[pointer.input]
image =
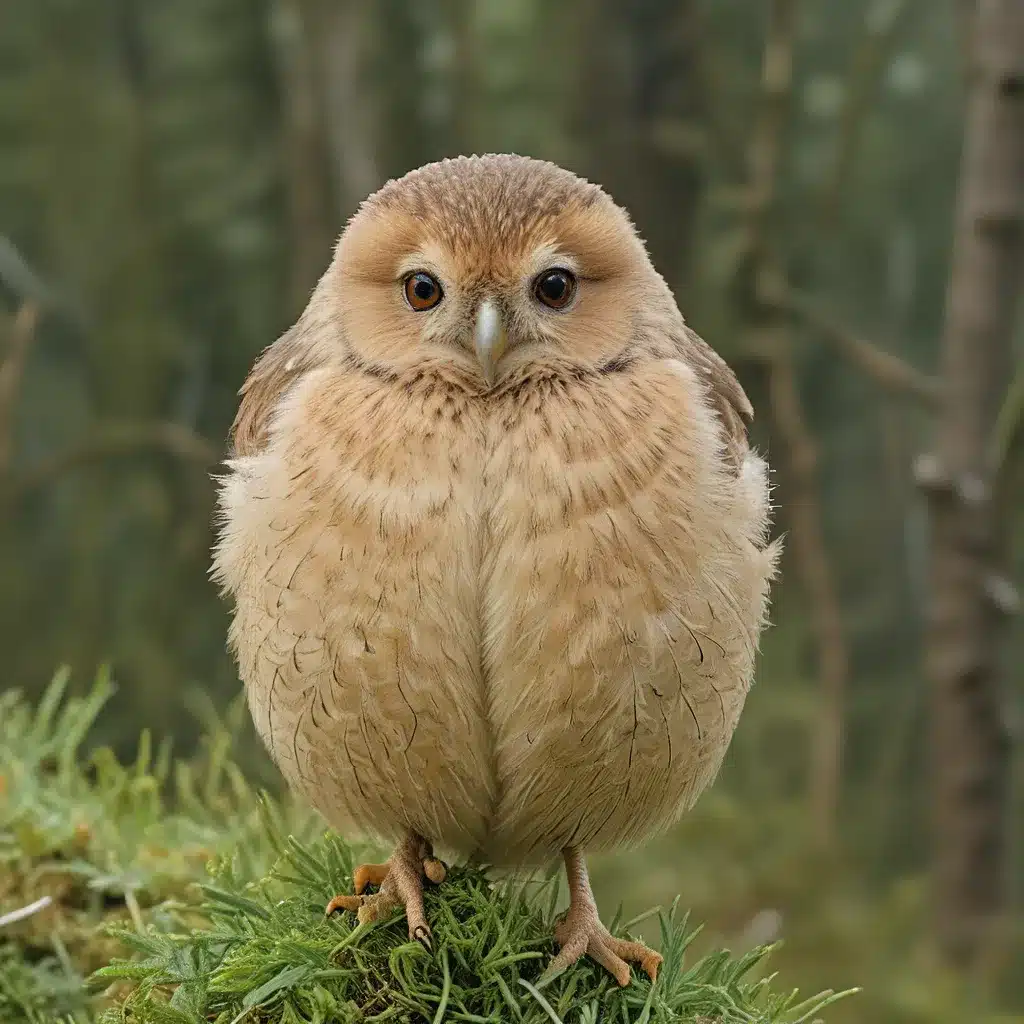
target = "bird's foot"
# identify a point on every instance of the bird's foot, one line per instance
(434, 871)
(401, 885)
(579, 932)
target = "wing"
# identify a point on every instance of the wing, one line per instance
(277, 368)
(727, 396)
(314, 341)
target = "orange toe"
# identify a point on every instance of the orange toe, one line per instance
(369, 874)
(435, 870)
(343, 902)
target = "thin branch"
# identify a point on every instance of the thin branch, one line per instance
(113, 440)
(886, 369)
(17, 275)
(14, 916)
(25, 284)
(12, 370)
(1009, 428)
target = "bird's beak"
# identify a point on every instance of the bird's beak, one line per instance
(489, 339)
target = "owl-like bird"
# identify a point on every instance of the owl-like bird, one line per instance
(495, 538)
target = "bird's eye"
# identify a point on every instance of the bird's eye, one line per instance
(555, 288)
(422, 291)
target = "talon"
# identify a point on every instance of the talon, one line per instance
(421, 933)
(369, 874)
(343, 902)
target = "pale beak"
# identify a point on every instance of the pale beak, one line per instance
(489, 338)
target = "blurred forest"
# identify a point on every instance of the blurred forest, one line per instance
(172, 179)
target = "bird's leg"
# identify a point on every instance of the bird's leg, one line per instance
(579, 931)
(401, 885)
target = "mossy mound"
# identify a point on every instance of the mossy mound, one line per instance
(265, 952)
(173, 893)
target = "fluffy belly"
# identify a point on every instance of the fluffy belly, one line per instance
(625, 585)
(508, 648)
(355, 571)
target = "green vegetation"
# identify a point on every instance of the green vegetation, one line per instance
(183, 895)
(106, 843)
(267, 946)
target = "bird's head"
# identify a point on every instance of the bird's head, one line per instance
(496, 264)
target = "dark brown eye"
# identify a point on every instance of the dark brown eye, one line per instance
(555, 288)
(422, 291)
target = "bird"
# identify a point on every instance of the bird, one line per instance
(496, 539)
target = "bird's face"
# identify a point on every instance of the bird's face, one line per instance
(494, 264)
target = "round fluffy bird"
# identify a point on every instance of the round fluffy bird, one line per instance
(495, 539)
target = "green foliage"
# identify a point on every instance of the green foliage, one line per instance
(41, 991)
(267, 946)
(194, 898)
(94, 842)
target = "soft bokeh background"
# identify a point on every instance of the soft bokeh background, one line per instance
(172, 177)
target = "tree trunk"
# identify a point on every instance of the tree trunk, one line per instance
(970, 738)
(463, 80)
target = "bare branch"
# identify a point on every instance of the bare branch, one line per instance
(14, 916)
(1009, 428)
(112, 440)
(11, 372)
(891, 372)
(17, 275)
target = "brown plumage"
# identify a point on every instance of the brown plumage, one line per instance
(499, 569)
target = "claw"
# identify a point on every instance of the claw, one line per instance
(421, 933)
(368, 874)
(343, 902)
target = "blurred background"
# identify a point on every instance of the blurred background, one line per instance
(172, 179)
